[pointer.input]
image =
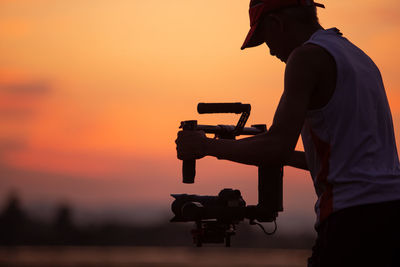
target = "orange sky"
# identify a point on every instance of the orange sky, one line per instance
(93, 92)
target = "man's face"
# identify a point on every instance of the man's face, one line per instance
(272, 31)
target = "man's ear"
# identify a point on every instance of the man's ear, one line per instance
(277, 21)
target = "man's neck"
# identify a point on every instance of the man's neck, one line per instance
(304, 32)
(301, 34)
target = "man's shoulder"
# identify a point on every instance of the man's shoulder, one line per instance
(310, 56)
(312, 66)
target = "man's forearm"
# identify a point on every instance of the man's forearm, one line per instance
(257, 150)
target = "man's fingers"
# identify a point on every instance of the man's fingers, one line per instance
(189, 144)
(190, 133)
(185, 156)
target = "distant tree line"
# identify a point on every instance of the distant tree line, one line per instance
(17, 228)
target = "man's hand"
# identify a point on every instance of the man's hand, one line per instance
(191, 145)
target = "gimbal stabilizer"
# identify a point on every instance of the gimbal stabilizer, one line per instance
(216, 216)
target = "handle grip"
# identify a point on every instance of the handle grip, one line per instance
(189, 166)
(237, 108)
(188, 171)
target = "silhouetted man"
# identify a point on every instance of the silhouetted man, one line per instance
(334, 97)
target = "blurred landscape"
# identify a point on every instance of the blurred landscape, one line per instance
(27, 241)
(21, 228)
(151, 257)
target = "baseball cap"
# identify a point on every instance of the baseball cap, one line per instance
(261, 7)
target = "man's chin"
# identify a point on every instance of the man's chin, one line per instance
(280, 58)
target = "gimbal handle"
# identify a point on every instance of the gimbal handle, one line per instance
(189, 166)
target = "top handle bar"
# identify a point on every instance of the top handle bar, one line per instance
(237, 108)
(220, 131)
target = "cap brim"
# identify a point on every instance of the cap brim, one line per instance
(252, 38)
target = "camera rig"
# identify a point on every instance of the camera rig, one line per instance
(216, 217)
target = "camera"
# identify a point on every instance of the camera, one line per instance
(216, 217)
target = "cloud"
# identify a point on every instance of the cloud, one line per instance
(20, 99)
(11, 144)
(35, 88)
(15, 114)
(8, 145)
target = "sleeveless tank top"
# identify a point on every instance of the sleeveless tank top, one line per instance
(349, 144)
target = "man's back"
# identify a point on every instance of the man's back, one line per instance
(349, 143)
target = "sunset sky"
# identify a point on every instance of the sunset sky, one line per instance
(92, 93)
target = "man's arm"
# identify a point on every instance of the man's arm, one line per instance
(276, 147)
(298, 160)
